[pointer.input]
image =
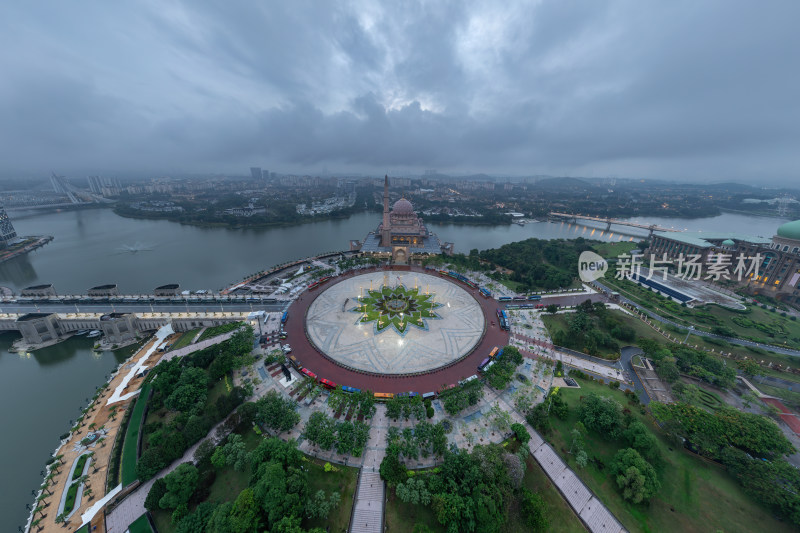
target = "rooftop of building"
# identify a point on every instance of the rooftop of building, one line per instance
(32, 316)
(701, 239)
(790, 230)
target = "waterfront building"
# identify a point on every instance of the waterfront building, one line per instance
(8, 235)
(39, 291)
(104, 291)
(778, 273)
(171, 289)
(401, 236)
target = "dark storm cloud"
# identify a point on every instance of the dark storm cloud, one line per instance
(689, 90)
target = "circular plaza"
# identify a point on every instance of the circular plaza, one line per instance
(394, 322)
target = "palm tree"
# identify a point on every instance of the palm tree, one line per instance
(88, 493)
(102, 441)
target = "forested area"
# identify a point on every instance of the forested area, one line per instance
(182, 403)
(539, 264)
(592, 329)
(276, 497)
(671, 360)
(470, 491)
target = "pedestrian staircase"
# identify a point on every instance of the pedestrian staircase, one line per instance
(368, 509)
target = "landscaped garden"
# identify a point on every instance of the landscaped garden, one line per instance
(129, 444)
(219, 330)
(676, 490)
(397, 307)
(189, 398)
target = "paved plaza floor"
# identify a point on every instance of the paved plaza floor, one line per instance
(334, 326)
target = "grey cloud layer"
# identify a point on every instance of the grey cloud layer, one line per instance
(691, 90)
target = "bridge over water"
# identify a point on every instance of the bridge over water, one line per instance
(609, 221)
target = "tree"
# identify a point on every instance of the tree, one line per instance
(233, 453)
(157, 491)
(190, 393)
(501, 419)
(749, 367)
(581, 459)
(552, 309)
(180, 484)
(534, 510)
(601, 414)
(392, 470)
(320, 506)
(521, 433)
(635, 477)
(643, 441)
(276, 413)
(413, 491)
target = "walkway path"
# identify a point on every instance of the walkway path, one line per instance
(586, 505)
(368, 509)
(132, 507)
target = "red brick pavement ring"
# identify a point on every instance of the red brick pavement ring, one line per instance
(324, 367)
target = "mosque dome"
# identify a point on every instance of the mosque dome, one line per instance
(728, 242)
(402, 207)
(790, 230)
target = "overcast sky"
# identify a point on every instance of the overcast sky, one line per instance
(688, 90)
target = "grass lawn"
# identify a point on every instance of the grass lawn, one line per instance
(562, 518)
(141, 525)
(163, 521)
(558, 322)
(344, 482)
(219, 330)
(129, 457)
(401, 517)
(610, 250)
(696, 495)
(185, 339)
(72, 495)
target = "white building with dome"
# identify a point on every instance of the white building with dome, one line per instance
(401, 236)
(779, 266)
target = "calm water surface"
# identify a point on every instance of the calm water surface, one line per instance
(40, 394)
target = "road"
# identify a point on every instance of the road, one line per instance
(141, 307)
(732, 340)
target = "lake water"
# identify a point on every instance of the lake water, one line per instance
(40, 394)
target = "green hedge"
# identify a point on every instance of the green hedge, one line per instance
(72, 493)
(129, 456)
(79, 467)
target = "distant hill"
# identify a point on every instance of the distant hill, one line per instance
(566, 184)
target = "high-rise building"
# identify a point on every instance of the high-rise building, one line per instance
(8, 234)
(255, 172)
(265, 174)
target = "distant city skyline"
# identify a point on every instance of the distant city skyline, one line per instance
(700, 92)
